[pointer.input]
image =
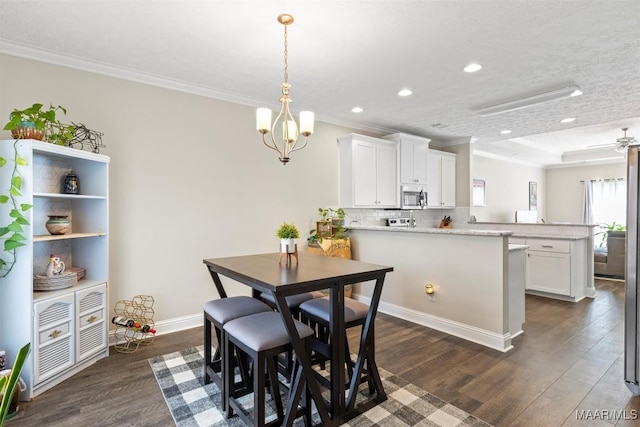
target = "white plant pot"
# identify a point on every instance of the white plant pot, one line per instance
(291, 243)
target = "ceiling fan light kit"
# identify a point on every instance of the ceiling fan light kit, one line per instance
(530, 101)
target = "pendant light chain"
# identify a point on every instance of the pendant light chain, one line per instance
(286, 57)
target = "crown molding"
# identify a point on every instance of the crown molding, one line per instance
(82, 64)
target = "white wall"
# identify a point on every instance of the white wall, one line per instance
(565, 191)
(507, 189)
(189, 178)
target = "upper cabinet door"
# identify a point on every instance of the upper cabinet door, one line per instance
(364, 174)
(414, 151)
(368, 172)
(387, 175)
(448, 168)
(434, 180)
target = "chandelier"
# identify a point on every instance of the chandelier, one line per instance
(284, 125)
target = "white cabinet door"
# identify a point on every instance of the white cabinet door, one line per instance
(54, 336)
(368, 172)
(413, 162)
(549, 272)
(387, 176)
(91, 324)
(364, 174)
(441, 180)
(434, 180)
(448, 178)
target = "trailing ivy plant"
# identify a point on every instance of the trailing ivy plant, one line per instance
(12, 234)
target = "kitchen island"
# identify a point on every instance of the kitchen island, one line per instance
(477, 296)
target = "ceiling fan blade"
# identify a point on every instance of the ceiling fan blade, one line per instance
(602, 145)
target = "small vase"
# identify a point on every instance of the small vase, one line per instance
(287, 246)
(58, 224)
(71, 184)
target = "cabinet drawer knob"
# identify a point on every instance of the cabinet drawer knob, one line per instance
(92, 319)
(547, 246)
(55, 334)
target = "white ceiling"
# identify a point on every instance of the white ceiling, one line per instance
(344, 54)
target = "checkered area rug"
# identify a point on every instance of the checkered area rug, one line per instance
(193, 404)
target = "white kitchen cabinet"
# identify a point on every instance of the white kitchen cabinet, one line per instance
(556, 268)
(441, 180)
(414, 152)
(368, 172)
(67, 327)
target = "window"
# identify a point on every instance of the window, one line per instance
(609, 206)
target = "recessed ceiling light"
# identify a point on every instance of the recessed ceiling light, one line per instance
(405, 92)
(357, 110)
(567, 120)
(472, 68)
(504, 132)
(576, 92)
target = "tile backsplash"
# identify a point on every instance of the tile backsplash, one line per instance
(424, 217)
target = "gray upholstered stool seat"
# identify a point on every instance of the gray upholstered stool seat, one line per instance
(319, 308)
(262, 336)
(219, 312)
(224, 310)
(293, 301)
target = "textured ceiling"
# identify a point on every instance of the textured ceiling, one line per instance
(360, 53)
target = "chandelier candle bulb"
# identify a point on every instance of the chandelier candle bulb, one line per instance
(306, 122)
(263, 120)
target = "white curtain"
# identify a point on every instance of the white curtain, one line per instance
(609, 204)
(587, 203)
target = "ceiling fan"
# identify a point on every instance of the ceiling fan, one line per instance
(621, 144)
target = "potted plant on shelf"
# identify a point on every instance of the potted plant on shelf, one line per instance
(287, 234)
(35, 123)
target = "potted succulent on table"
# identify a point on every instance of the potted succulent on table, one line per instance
(287, 234)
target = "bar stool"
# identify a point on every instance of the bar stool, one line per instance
(262, 337)
(218, 312)
(293, 301)
(318, 311)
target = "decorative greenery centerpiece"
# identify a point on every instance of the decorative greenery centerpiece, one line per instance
(330, 226)
(287, 233)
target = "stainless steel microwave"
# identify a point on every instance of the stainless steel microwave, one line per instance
(413, 197)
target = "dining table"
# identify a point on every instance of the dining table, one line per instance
(270, 273)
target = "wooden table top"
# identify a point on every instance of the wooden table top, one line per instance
(264, 271)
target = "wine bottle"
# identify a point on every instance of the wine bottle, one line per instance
(148, 329)
(121, 321)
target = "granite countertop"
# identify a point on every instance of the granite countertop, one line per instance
(562, 224)
(547, 236)
(428, 230)
(513, 247)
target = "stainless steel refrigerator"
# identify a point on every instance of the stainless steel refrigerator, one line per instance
(632, 312)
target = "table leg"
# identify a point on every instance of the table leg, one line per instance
(337, 350)
(218, 283)
(366, 352)
(304, 375)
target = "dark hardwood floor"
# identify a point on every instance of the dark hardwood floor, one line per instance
(569, 359)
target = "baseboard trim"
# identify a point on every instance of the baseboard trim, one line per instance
(500, 342)
(169, 326)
